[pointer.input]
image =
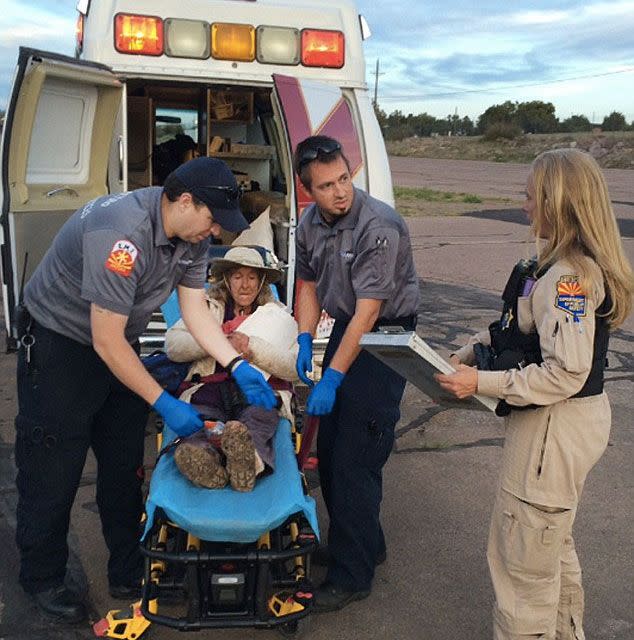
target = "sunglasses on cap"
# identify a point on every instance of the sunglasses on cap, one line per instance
(230, 193)
(313, 152)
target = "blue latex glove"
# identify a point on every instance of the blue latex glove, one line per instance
(255, 388)
(179, 416)
(322, 398)
(305, 357)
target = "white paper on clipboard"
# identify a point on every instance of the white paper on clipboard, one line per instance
(411, 357)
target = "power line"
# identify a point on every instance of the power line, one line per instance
(505, 87)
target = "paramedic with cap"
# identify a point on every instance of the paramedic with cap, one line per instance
(355, 259)
(81, 383)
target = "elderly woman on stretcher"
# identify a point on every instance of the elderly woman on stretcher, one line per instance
(236, 444)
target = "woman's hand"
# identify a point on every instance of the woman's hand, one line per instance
(462, 384)
(240, 342)
(454, 360)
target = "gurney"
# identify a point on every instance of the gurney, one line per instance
(221, 558)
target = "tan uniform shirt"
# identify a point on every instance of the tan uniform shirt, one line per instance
(563, 314)
(548, 451)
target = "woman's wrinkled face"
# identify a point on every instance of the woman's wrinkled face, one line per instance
(244, 286)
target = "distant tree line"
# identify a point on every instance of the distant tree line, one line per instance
(506, 120)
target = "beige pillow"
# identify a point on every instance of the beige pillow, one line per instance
(260, 233)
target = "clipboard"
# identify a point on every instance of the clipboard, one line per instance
(411, 357)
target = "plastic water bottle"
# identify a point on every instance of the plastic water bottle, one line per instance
(213, 431)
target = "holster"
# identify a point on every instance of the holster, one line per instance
(23, 320)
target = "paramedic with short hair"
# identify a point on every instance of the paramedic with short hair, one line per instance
(355, 259)
(81, 383)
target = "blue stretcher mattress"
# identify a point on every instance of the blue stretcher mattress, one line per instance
(225, 515)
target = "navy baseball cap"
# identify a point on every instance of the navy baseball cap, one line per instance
(212, 182)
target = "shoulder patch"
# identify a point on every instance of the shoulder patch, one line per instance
(570, 297)
(122, 258)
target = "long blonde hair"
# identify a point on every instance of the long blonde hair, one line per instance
(574, 212)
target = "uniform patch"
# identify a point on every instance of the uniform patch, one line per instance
(570, 297)
(122, 258)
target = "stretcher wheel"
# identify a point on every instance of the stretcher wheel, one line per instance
(295, 629)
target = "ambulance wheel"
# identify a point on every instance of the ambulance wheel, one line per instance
(295, 629)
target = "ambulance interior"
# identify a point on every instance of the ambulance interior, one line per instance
(235, 124)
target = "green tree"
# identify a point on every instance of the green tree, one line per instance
(614, 122)
(575, 123)
(506, 112)
(424, 124)
(536, 117)
(467, 127)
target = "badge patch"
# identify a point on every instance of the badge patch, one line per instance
(122, 258)
(570, 297)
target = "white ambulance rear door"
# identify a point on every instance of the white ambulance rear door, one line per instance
(57, 147)
(312, 108)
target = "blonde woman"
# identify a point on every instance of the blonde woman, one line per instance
(545, 361)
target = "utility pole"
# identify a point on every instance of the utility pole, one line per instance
(376, 84)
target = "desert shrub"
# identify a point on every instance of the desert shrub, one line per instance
(497, 130)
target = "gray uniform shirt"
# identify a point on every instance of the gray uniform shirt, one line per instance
(113, 252)
(365, 254)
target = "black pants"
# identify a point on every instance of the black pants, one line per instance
(353, 444)
(70, 401)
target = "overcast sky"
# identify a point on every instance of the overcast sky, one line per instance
(441, 57)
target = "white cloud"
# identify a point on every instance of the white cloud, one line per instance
(528, 18)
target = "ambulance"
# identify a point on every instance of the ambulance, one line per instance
(246, 80)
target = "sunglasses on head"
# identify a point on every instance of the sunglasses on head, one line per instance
(322, 149)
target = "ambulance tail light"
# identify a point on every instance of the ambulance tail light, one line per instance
(231, 41)
(138, 34)
(323, 48)
(277, 45)
(186, 38)
(79, 34)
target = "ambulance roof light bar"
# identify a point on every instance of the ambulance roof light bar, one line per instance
(322, 48)
(138, 34)
(79, 34)
(182, 38)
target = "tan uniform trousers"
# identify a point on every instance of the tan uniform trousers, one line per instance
(536, 576)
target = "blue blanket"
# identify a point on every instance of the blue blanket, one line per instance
(225, 515)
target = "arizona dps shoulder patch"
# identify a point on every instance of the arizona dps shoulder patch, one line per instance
(570, 297)
(122, 258)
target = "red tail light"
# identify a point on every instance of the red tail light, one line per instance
(323, 48)
(79, 33)
(138, 34)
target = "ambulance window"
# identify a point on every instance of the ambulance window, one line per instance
(60, 150)
(176, 140)
(170, 122)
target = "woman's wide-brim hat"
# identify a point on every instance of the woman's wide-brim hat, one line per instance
(243, 257)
